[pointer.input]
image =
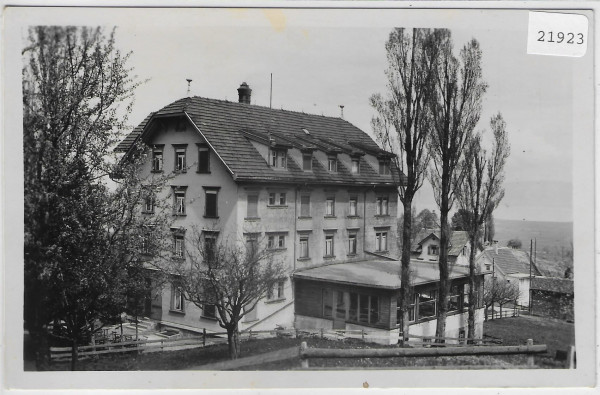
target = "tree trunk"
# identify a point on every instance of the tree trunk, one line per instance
(39, 339)
(405, 270)
(472, 304)
(74, 354)
(233, 341)
(440, 329)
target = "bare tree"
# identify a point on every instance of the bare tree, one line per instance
(456, 108)
(403, 122)
(229, 276)
(479, 193)
(499, 292)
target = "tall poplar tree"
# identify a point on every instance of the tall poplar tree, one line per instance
(456, 108)
(479, 194)
(403, 124)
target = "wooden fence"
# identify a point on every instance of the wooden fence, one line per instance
(530, 350)
(170, 344)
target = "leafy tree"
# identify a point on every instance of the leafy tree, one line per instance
(456, 108)
(427, 220)
(231, 276)
(490, 229)
(480, 191)
(461, 219)
(403, 122)
(81, 236)
(514, 243)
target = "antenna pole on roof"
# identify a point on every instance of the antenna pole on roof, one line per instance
(189, 81)
(271, 92)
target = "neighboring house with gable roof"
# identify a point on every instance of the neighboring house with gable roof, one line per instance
(426, 247)
(316, 188)
(510, 265)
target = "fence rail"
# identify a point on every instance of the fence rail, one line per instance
(530, 350)
(209, 338)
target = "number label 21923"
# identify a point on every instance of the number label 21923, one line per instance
(560, 37)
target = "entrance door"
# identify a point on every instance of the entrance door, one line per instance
(339, 316)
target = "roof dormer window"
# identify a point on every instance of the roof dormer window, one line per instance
(307, 161)
(278, 158)
(355, 166)
(384, 167)
(332, 164)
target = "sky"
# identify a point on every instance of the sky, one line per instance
(321, 59)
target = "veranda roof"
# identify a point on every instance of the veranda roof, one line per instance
(378, 273)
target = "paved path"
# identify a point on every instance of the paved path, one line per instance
(279, 355)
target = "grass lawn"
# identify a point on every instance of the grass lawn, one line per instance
(556, 334)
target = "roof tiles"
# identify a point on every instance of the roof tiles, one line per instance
(228, 126)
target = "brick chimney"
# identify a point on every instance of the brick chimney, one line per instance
(244, 93)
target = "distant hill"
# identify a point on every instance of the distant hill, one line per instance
(554, 242)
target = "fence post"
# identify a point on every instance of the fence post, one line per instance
(571, 358)
(303, 359)
(203, 337)
(321, 333)
(530, 360)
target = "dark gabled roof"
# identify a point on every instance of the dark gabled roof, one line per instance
(377, 274)
(552, 284)
(229, 127)
(458, 239)
(510, 260)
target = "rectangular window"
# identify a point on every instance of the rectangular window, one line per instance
(353, 308)
(179, 202)
(209, 310)
(355, 166)
(179, 248)
(332, 164)
(352, 244)
(281, 241)
(305, 206)
(381, 241)
(277, 199)
(203, 159)
(304, 247)
(252, 211)
(353, 210)
(329, 251)
(427, 304)
(382, 206)
(210, 244)
(149, 203)
(180, 162)
(277, 291)
(384, 167)
(271, 241)
(455, 298)
(411, 310)
(340, 305)
(157, 160)
(210, 208)
(278, 158)
(307, 162)
(433, 250)
(330, 207)
(146, 244)
(363, 302)
(327, 303)
(177, 301)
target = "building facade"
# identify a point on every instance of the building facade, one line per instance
(316, 189)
